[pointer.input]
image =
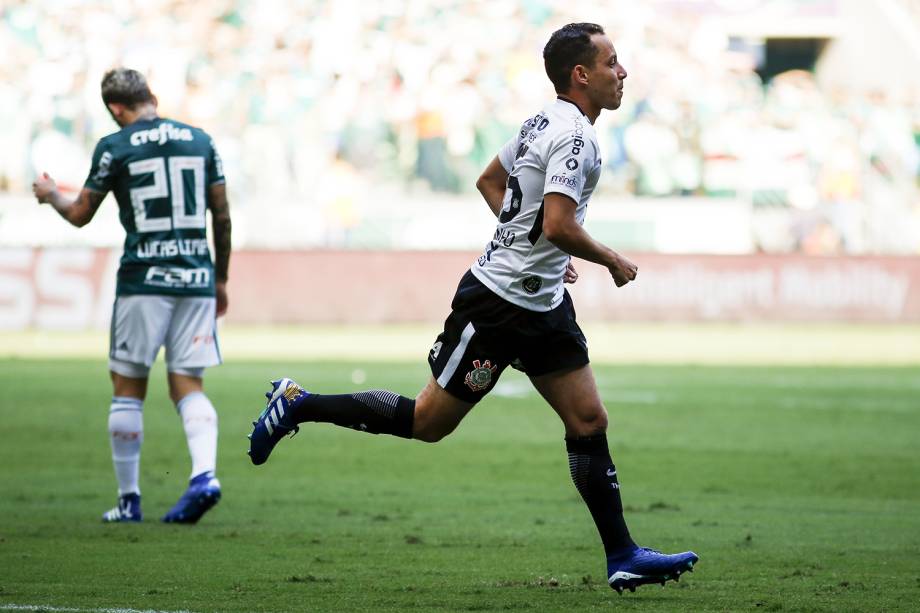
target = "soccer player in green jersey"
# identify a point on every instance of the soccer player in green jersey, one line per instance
(164, 174)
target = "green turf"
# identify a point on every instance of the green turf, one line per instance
(798, 487)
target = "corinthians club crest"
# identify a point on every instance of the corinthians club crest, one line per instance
(480, 377)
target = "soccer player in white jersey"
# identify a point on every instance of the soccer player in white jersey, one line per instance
(511, 308)
(164, 175)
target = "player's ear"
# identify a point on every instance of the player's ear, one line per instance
(115, 109)
(156, 102)
(579, 75)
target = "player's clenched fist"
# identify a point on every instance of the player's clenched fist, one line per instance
(622, 270)
(43, 187)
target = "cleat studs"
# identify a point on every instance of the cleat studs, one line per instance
(249, 436)
(632, 588)
(619, 589)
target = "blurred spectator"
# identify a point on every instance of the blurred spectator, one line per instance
(419, 95)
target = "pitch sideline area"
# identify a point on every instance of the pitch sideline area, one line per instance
(619, 343)
(47, 609)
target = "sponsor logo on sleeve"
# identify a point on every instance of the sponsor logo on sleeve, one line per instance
(571, 163)
(564, 180)
(105, 167)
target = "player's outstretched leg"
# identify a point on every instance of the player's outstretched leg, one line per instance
(203, 493)
(375, 411)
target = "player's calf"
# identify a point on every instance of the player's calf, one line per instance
(374, 412)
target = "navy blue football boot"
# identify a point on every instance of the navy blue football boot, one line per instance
(203, 493)
(276, 421)
(640, 566)
(128, 509)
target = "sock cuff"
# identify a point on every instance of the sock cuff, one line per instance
(190, 397)
(595, 445)
(405, 417)
(125, 403)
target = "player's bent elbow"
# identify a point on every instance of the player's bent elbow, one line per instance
(553, 231)
(482, 184)
(78, 220)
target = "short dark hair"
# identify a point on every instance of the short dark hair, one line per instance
(568, 47)
(125, 86)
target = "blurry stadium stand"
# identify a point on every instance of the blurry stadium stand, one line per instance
(770, 130)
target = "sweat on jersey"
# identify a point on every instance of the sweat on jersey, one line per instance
(159, 170)
(555, 151)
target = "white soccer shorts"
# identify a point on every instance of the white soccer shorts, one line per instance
(185, 325)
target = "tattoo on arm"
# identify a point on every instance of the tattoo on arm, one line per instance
(81, 211)
(220, 225)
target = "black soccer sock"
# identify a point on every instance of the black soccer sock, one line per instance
(375, 411)
(595, 477)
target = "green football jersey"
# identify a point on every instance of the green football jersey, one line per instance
(160, 171)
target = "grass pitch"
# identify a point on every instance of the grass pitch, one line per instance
(798, 486)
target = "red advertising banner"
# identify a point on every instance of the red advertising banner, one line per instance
(74, 288)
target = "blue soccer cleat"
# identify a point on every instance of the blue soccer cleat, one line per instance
(203, 493)
(640, 566)
(276, 421)
(128, 509)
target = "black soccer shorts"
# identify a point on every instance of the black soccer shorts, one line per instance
(484, 334)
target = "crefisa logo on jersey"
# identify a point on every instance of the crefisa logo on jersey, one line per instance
(480, 377)
(532, 285)
(162, 134)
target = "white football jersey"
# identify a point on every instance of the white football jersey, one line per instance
(555, 151)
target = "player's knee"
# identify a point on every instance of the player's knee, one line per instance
(590, 423)
(428, 426)
(429, 430)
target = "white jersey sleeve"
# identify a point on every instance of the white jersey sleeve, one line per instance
(508, 152)
(569, 163)
(555, 152)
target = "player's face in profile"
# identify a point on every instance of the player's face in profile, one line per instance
(605, 85)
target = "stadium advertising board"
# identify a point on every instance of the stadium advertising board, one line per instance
(73, 288)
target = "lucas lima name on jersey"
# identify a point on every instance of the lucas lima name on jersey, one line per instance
(555, 152)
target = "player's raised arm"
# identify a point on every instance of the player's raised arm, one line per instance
(220, 227)
(78, 212)
(491, 185)
(561, 228)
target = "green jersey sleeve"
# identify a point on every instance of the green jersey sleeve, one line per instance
(102, 172)
(215, 166)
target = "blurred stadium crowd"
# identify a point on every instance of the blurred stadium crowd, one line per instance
(323, 104)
